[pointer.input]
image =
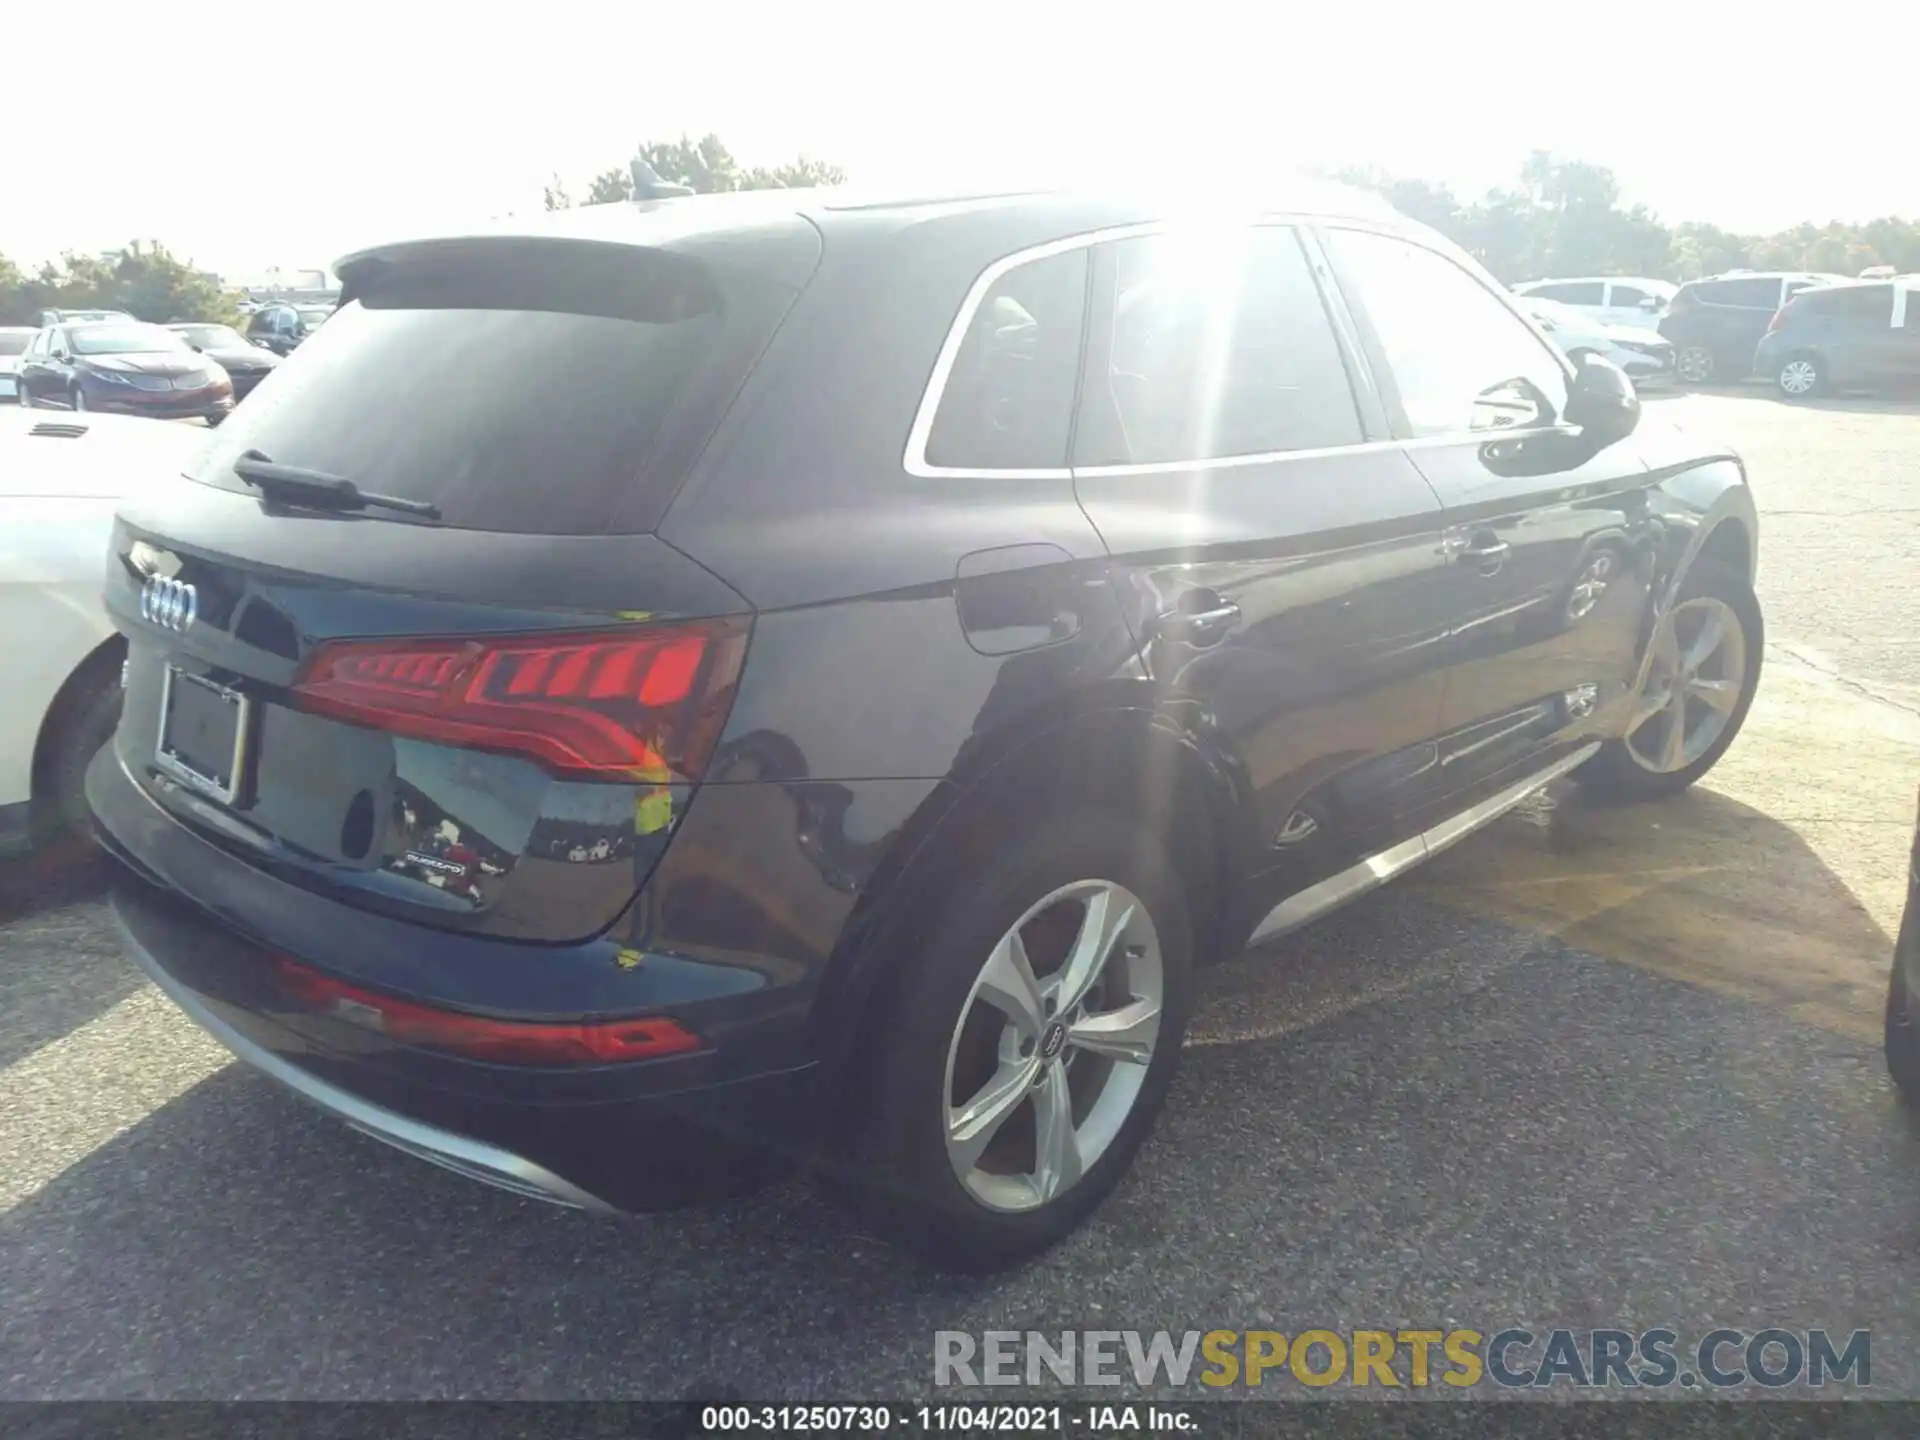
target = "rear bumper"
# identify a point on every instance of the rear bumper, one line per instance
(632, 1137)
(489, 1163)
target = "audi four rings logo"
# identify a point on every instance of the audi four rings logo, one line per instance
(169, 603)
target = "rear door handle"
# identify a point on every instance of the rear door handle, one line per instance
(1198, 627)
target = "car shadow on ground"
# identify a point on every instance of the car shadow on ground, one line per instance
(59, 966)
(1701, 888)
(235, 1242)
(1850, 404)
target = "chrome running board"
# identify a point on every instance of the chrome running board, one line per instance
(1336, 890)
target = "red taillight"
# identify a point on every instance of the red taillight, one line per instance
(505, 1042)
(646, 703)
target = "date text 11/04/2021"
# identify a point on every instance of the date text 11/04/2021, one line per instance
(1509, 1358)
(956, 1418)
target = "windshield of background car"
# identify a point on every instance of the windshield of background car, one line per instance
(121, 340)
(557, 395)
(213, 337)
(15, 344)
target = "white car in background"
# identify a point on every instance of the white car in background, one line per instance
(61, 477)
(1643, 353)
(1632, 300)
(14, 340)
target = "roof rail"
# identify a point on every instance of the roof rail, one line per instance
(647, 184)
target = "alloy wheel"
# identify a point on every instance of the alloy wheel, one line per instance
(1799, 377)
(1052, 1045)
(1693, 685)
(1694, 364)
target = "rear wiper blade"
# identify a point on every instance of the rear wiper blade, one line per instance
(317, 487)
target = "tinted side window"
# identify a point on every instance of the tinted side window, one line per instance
(1008, 402)
(1871, 304)
(1220, 345)
(1756, 294)
(1626, 294)
(1582, 292)
(1460, 359)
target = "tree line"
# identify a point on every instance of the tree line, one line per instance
(1564, 217)
(704, 166)
(146, 280)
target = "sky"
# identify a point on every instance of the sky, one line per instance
(276, 134)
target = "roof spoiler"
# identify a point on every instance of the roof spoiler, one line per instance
(647, 184)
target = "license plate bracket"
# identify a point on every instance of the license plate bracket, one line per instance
(203, 734)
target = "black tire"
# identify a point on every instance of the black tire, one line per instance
(1614, 774)
(892, 1165)
(83, 719)
(1793, 371)
(1902, 1041)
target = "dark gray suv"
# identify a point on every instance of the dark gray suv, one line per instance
(686, 686)
(1844, 337)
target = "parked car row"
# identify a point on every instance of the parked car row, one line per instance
(1805, 331)
(124, 366)
(1716, 323)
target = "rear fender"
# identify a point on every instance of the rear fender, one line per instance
(1179, 783)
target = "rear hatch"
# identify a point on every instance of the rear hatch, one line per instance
(402, 633)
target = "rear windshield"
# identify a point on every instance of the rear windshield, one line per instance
(557, 393)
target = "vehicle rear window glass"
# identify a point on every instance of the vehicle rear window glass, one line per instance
(562, 391)
(1008, 401)
(1757, 294)
(1220, 346)
(1572, 292)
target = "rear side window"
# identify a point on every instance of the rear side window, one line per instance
(1756, 294)
(1572, 292)
(1872, 303)
(1627, 295)
(1008, 401)
(1219, 346)
(559, 391)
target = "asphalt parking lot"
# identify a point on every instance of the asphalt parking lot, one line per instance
(1593, 1068)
